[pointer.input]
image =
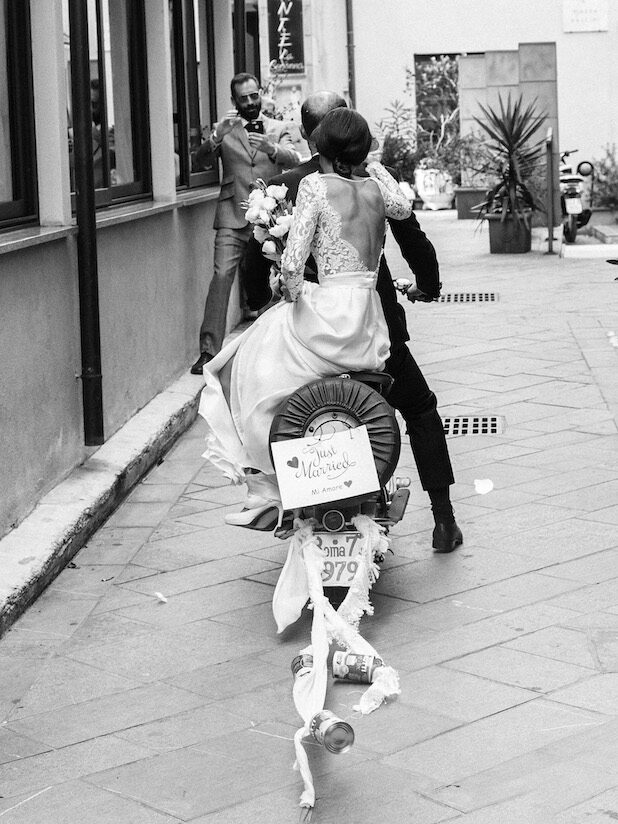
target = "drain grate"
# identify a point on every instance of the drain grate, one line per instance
(472, 425)
(468, 297)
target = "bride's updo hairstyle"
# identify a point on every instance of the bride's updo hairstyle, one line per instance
(343, 137)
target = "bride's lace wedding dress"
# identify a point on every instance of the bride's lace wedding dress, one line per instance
(333, 326)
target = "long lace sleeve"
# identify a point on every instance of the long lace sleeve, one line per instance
(301, 233)
(396, 203)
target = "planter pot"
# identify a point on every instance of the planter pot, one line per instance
(435, 188)
(465, 198)
(508, 236)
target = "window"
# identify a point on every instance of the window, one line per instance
(193, 89)
(118, 99)
(17, 146)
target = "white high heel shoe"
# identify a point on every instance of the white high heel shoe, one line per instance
(264, 517)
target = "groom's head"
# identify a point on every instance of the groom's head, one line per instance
(315, 107)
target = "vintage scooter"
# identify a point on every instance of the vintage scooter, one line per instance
(575, 195)
(338, 404)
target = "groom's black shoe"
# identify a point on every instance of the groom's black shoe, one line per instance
(446, 537)
(198, 366)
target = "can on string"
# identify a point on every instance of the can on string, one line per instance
(348, 666)
(327, 729)
(301, 665)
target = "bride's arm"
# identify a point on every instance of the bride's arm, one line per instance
(301, 233)
(396, 203)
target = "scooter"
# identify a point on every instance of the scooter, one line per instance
(336, 404)
(574, 197)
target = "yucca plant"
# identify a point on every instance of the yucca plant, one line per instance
(511, 130)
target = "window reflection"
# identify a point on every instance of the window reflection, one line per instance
(112, 40)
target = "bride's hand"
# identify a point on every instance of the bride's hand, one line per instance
(274, 280)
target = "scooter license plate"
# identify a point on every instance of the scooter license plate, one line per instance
(341, 551)
(573, 205)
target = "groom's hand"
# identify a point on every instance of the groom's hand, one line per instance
(414, 293)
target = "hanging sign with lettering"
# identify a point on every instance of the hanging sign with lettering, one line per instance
(585, 15)
(285, 36)
(316, 471)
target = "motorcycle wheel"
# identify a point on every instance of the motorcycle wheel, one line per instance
(341, 403)
(570, 229)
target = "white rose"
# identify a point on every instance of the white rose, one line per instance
(256, 196)
(264, 216)
(285, 220)
(269, 248)
(252, 214)
(260, 233)
(269, 203)
(278, 230)
(278, 192)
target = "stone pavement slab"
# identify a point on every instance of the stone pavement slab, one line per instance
(118, 705)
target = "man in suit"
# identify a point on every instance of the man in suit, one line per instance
(250, 146)
(410, 394)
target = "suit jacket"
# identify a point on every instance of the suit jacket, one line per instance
(242, 165)
(416, 248)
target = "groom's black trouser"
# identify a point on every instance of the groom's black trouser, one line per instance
(411, 396)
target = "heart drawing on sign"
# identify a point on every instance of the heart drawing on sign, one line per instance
(293, 463)
(347, 483)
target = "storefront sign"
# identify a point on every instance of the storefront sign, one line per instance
(585, 15)
(285, 35)
(331, 468)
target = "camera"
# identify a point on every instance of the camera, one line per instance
(255, 126)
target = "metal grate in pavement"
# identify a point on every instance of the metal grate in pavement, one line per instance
(468, 297)
(473, 425)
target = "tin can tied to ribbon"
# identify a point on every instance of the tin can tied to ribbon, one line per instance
(348, 666)
(302, 665)
(328, 729)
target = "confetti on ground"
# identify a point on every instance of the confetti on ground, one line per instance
(483, 485)
(161, 598)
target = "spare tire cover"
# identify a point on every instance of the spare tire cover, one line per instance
(353, 399)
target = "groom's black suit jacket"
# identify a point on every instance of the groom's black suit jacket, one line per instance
(416, 249)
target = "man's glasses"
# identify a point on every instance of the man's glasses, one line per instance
(254, 96)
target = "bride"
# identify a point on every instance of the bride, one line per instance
(320, 329)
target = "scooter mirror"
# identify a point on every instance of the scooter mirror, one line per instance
(585, 168)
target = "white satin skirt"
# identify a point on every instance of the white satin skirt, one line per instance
(333, 327)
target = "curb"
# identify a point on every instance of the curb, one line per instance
(38, 549)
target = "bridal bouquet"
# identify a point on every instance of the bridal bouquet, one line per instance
(271, 215)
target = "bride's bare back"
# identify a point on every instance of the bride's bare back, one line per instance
(341, 222)
(360, 206)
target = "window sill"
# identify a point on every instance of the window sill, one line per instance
(33, 236)
(149, 208)
(36, 235)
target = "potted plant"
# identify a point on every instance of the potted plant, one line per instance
(434, 182)
(509, 203)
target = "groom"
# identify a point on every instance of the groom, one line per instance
(410, 394)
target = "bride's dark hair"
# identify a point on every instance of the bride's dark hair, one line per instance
(343, 137)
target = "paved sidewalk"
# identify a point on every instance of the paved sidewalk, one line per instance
(119, 707)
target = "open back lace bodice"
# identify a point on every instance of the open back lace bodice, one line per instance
(318, 228)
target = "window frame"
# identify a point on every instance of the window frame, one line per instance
(141, 188)
(23, 208)
(188, 87)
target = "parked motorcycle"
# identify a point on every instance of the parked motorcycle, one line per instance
(575, 195)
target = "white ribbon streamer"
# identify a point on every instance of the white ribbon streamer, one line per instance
(301, 579)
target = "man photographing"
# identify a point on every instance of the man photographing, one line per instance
(250, 146)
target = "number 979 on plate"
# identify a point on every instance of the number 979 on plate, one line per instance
(341, 553)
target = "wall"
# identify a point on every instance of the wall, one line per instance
(40, 405)
(153, 278)
(587, 62)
